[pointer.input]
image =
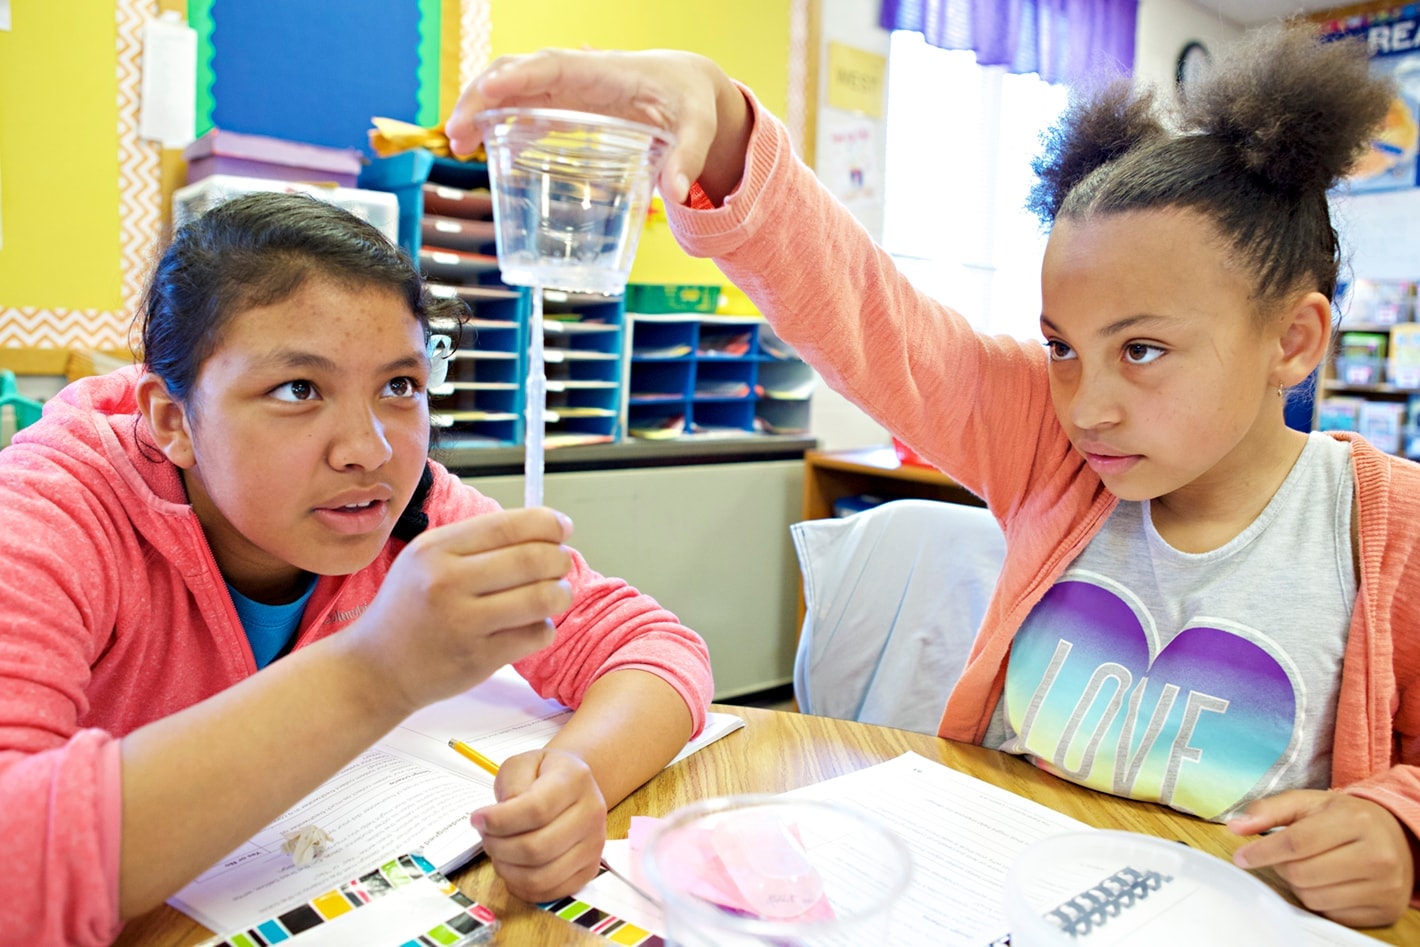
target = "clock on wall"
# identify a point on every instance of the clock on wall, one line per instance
(1194, 61)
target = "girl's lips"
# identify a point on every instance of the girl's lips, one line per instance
(353, 521)
(1111, 463)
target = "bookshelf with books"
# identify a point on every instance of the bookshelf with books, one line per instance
(1371, 383)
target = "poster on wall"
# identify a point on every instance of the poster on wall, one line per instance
(847, 159)
(1393, 38)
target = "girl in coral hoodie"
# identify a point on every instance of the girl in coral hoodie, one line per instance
(240, 551)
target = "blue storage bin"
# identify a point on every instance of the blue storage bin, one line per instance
(403, 175)
(26, 410)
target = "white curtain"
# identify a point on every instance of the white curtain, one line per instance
(960, 139)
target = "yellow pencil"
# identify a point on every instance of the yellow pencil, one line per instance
(468, 752)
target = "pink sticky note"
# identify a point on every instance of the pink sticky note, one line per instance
(752, 866)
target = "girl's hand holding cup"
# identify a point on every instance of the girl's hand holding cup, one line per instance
(683, 93)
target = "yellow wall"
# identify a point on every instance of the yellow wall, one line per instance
(748, 38)
(59, 214)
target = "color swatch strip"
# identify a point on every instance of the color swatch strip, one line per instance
(466, 926)
(600, 922)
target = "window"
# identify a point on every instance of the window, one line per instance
(960, 140)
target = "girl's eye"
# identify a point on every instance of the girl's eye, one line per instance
(402, 387)
(295, 391)
(1141, 353)
(1059, 351)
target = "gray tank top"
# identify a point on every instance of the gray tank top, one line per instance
(1202, 681)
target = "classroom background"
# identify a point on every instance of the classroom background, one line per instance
(686, 437)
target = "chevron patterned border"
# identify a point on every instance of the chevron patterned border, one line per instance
(139, 172)
(139, 210)
(796, 108)
(475, 39)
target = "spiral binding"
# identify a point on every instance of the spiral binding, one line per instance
(1094, 906)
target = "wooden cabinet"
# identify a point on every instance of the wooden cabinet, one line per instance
(874, 471)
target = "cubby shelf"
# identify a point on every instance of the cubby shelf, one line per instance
(610, 374)
(693, 374)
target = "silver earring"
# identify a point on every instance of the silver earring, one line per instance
(1279, 391)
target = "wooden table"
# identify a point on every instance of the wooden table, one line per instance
(778, 751)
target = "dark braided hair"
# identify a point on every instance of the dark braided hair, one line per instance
(1255, 149)
(256, 250)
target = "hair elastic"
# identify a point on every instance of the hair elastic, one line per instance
(441, 350)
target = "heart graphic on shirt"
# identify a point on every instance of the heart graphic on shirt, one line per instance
(1195, 725)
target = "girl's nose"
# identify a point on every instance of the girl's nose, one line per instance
(361, 442)
(1094, 403)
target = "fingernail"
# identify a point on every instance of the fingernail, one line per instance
(682, 188)
(478, 821)
(566, 522)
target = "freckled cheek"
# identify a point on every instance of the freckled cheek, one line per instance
(409, 445)
(409, 434)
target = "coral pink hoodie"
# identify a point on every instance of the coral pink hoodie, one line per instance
(979, 408)
(114, 615)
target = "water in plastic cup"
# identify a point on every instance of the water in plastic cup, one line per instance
(751, 871)
(570, 195)
(1105, 888)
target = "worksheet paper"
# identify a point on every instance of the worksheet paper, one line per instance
(963, 834)
(408, 793)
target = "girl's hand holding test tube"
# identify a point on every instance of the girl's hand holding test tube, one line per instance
(464, 599)
(460, 602)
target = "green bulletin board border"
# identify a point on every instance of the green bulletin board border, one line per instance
(199, 17)
(431, 38)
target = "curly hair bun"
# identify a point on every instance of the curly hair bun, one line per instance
(1297, 111)
(1093, 132)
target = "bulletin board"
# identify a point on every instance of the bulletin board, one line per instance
(316, 71)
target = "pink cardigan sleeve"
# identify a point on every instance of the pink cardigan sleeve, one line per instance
(610, 626)
(1377, 748)
(913, 364)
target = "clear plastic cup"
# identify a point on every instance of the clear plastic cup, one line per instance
(1103, 888)
(760, 870)
(570, 195)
